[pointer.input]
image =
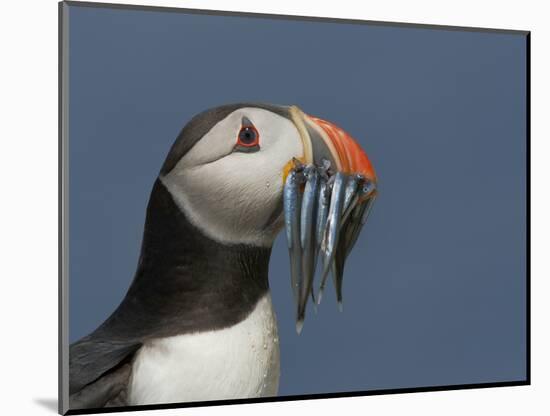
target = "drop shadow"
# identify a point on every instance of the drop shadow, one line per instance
(48, 404)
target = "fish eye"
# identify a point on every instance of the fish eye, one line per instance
(248, 136)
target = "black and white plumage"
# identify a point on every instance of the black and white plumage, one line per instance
(197, 322)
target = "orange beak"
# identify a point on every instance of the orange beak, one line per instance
(350, 158)
(323, 139)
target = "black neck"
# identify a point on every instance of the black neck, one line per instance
(186, 281)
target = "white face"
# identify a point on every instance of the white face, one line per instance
(232, 195)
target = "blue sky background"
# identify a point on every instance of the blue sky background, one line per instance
(434, 291)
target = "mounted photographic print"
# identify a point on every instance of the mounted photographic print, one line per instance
(265, 208)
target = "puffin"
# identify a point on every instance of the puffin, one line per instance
(197, 322)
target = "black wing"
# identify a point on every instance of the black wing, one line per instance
(99, 370)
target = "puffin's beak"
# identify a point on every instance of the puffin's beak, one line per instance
(328, 194)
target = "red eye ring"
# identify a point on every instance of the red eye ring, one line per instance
(248, 136)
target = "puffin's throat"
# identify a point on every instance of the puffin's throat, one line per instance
(188, 282)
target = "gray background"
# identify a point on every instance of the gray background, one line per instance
(434, 291)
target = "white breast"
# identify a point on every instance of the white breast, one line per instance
(241, 361)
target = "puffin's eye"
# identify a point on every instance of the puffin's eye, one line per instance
(248, 136)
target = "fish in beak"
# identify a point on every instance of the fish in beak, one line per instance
(327, 197)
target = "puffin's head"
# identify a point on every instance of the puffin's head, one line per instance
(227, 168)
(235, 171)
